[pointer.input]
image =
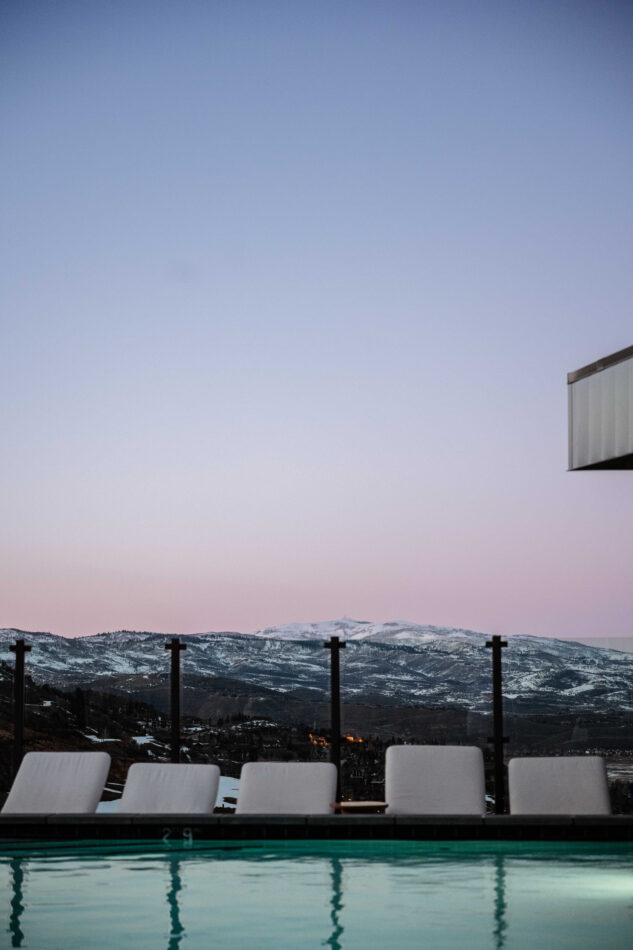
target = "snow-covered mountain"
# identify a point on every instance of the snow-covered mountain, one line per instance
(394, 631)
(383, 664)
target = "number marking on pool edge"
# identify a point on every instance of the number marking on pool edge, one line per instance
(187, 836)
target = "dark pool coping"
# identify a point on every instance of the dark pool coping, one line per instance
(174, 828)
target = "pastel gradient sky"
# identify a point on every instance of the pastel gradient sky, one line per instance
(290, 292)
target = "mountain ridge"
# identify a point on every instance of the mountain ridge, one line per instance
(383, 664)
(345, 627)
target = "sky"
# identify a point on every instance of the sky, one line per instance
(289, 295)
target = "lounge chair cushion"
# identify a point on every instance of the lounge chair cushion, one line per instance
(161, 788)
(287, 788)
(434, 780)
(558, 785)
(58, 783)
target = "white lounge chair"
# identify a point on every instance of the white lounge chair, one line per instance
(58, 783)
(434, 780)
(286, 788)
(162, 788)
(558, 785)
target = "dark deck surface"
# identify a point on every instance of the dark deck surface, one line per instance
(176, 828)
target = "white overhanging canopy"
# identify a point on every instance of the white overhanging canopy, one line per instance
(600, 398)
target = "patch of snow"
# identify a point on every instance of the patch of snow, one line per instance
(104, 808)
(227, 788)
(97, 739)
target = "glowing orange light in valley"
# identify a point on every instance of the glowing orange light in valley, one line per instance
(317, 740)
(320, 740)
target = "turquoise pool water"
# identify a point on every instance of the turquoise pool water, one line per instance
(342, 895)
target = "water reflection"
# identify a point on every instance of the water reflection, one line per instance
(336, 904)
(17, 903)
(501, 924)
(176, 928)
(333, 864)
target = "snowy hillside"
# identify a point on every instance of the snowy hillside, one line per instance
(383, 664)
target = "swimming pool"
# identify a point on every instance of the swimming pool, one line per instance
(337, 894)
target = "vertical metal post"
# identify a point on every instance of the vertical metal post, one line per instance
(498, 738)
(19, 648)
(334, 644)
(174, 707)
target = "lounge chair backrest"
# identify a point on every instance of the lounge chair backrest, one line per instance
(558, 785)
(58, 783)
(162, 788)
(434, 780)
(286, 788)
